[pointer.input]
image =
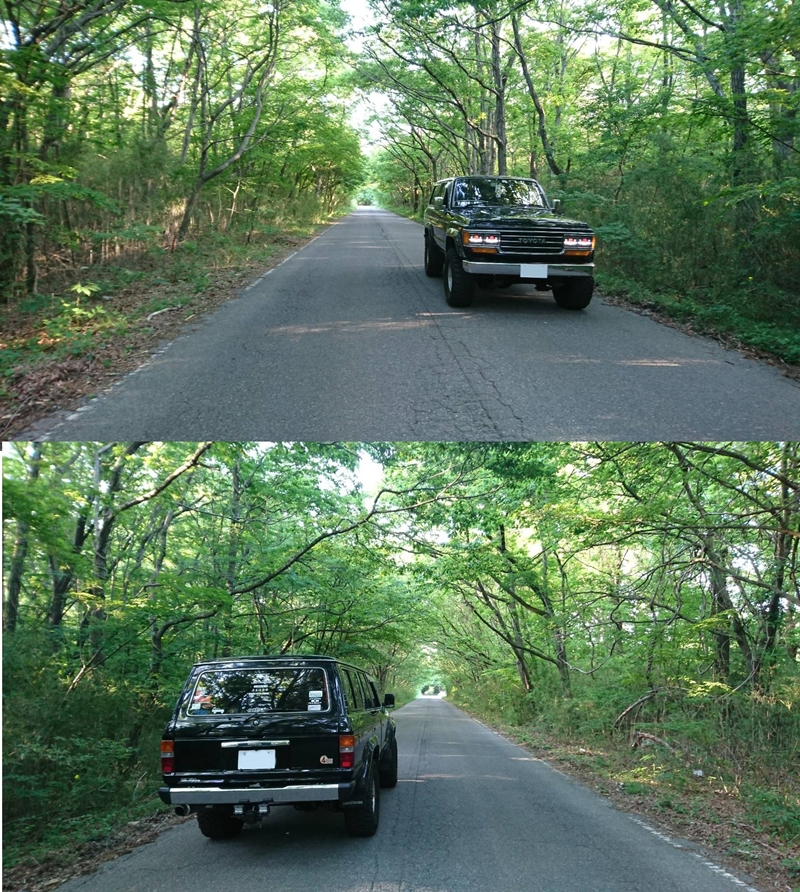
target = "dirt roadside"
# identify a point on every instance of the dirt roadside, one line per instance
(63, 384)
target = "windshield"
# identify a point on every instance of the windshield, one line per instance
(498, 191)
(238, 691)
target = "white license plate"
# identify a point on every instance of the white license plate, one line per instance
(255, 760)
(533, 270)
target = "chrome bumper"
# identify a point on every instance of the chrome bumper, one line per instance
(529, 270)
(255, 795)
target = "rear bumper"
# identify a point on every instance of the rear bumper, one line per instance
(529, 270)
(256, 795)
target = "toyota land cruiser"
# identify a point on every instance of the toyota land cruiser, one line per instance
(251, 733)
(502, 230)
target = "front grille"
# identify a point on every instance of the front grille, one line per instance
(535, 242)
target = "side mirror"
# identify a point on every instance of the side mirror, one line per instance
(438, 202)
(388, 701)
(556, 202)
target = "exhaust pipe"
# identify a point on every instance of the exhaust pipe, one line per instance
(182, 810)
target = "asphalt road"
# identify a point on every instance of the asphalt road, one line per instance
(348, 339)
(471, 813)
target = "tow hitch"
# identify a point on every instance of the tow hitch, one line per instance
(251, 813)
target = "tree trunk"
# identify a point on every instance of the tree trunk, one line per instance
(540, 113)
(17, 568)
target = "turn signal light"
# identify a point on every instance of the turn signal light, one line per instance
(347, 750)
(167, 756)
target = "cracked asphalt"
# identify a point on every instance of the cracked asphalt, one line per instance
(348, 339)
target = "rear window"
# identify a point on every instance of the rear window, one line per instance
(242, 691)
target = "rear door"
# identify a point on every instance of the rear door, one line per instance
(436, 211)
(379, 714)
(360, 710)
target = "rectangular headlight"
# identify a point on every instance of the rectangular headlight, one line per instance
(481, 239)
(579, 244)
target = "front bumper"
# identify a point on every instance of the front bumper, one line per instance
(539, 271)
(256, 795)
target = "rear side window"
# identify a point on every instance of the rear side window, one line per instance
(352, 694)
(243, 691)
(365, 692)
(370, 694)
(373, 694)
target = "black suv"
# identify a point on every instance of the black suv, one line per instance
(500, 230)
(253, 732)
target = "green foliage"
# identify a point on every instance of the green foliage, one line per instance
(113, 156)
(15, 211)
(86, 290)
(774, 812)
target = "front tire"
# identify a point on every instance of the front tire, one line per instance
(434, 259)
(363, 819)
(574, 294)
(459, 285)
(217, 824)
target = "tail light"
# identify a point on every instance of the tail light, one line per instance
(347, 750)
(167, 756)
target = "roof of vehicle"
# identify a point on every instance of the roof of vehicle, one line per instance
(280, 659)
(486, 176)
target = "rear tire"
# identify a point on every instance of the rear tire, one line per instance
(363, 820)
(574, 294)
(388, 775)
(459, 285)
(217, 824)
(434, 259)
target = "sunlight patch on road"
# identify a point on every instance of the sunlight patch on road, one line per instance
(654, 363)
(324, 328)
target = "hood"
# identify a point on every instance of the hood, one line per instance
(503, 214)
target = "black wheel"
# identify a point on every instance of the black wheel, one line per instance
(574, 294)
(388, 774)
(362, 820)
(459, 285)
(434, 259)
(217, 824)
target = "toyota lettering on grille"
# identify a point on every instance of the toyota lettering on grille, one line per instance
(533, 241)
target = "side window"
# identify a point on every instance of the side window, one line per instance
(376, 700)
(370, 694)
(352, 695)
(358, 682)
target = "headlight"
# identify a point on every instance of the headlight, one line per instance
(579, 244)
(481, 241)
